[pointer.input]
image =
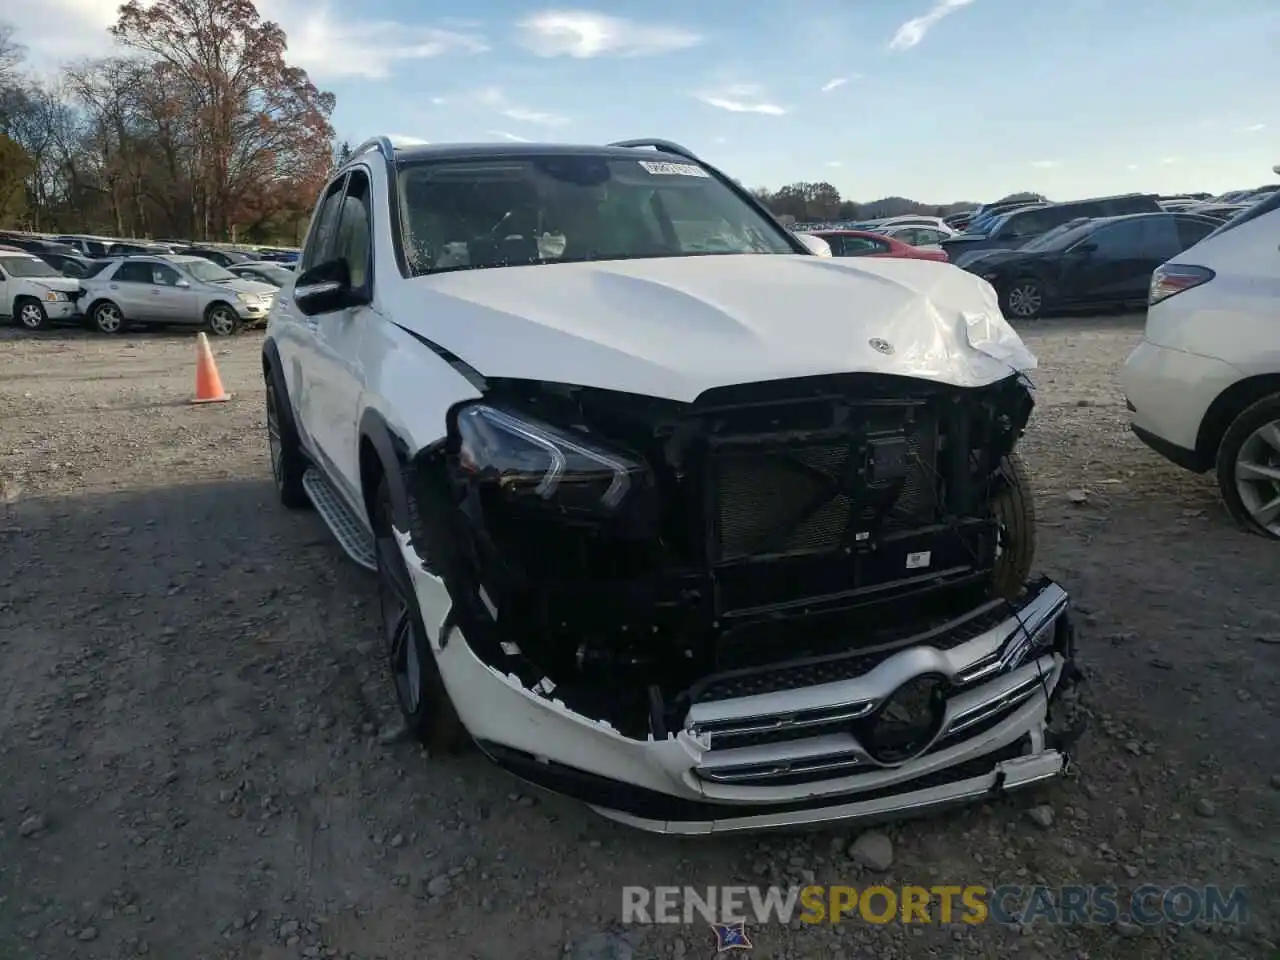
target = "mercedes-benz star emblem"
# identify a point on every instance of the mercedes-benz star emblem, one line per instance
(883, 346)
(908, 722)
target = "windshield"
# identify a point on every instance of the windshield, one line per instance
(512, 211)
(27, 267)
(207, 271)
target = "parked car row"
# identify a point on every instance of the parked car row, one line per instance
(73, 254)
(145, 291)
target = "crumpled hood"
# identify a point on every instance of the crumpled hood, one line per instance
(60, 284)
(676, 327)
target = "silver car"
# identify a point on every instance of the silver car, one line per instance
(173, 290)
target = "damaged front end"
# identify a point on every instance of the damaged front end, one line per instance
(787, 602)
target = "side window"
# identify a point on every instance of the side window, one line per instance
(322, 230)
(837, 243)
(164, 276)
(354, 233)
(72, 268)
(133, 272)
(1191, 232)
(1118, 241)
(1028, 224)
(1159, 239)
(926, 237)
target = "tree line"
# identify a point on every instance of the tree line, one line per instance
(199, 128)
(807, 202)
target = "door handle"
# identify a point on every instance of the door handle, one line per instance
(115, 286)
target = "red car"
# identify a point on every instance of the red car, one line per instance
(863, 243)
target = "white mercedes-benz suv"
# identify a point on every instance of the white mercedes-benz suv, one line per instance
(667, 512)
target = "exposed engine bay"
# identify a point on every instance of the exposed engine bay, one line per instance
(640, 556)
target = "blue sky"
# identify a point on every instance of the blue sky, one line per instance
(937, 100)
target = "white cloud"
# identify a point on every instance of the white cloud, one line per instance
(584, 33)
(534, 116)
(914, 30)
(1253, 128)
(742, 99)
(1169, 161)
(834, 83)
(835, 163)
(495, 99)
(325, 45)
(1046, 164)
(1133, 166)
(502, 134)
(331, 48)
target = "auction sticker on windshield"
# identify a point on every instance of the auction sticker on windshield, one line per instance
(673, 169)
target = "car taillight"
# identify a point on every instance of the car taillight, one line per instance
(1174, 278)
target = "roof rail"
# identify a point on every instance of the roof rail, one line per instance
(665, 146)
(382, 144)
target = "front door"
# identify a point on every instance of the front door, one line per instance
(174, 303)
(135, 292)
(338, 379)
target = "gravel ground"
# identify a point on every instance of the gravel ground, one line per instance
(198, 756)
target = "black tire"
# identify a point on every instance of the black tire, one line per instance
(288, 462)
(1014, 508)
(1238, 440)
(222, 320)
(1022, 299)
(29, 314)
(424, 701)
(106, 317)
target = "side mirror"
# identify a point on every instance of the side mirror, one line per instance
(324, 288)
(183, 283)
(815, 245)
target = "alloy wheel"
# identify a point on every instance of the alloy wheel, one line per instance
(1025, 300)
(399, 624)
(274, 445)
(108, 318)
(1257, 476)
(31, 316)
(222, 322)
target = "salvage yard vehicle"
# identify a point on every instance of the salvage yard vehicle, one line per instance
(668, 513)
(173, 291)
(33, 294)
(1106, 262)
(1203, 386)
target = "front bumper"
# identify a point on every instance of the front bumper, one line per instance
(253, 312)
(781, 747)
(57, 310)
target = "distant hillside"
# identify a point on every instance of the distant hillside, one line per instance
(808, 202)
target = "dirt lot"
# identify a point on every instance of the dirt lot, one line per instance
(198, 757)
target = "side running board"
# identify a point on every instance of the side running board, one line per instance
(351, 532)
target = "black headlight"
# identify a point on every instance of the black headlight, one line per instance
(531, 462)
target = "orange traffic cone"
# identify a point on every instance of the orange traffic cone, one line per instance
(208, 383)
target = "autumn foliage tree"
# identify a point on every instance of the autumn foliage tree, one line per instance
(249, 135)
(201, 129)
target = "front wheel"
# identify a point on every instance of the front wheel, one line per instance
(222, 320)
(30, 314)
(424, 701)
(1249, 468)
(288, 462)
(1023, 299)
(1014, 508)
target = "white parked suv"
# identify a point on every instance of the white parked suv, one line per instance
(1204, 384)
(667, 512)
(32, 293)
